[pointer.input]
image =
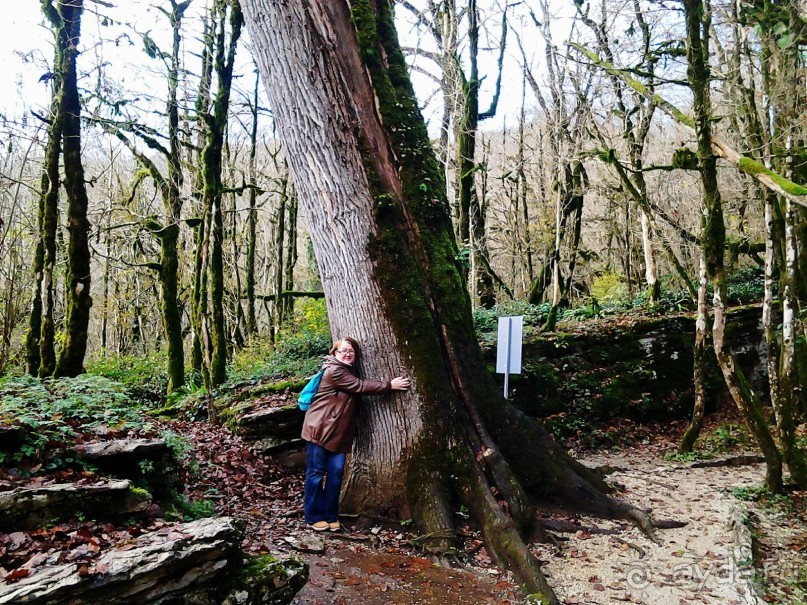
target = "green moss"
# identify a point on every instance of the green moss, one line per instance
(754, 168)
(261, 573)
(657, 100)
(139, 493)
(685, 159)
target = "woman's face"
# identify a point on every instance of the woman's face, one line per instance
(345, 353)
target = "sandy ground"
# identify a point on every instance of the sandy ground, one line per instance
(612, 562)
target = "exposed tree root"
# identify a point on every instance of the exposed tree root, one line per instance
(669, 524)
(504, 540)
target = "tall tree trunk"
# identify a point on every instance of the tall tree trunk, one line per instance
(338, 65)
(169, 234)
(40, 341)
(252, 216)
(713, 239)
(199, 295)
(280, 250)
(291, 251)
(79, 301)
(789, 383)
(213, 188)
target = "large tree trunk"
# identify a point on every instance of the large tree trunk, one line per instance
(79, 301)
(713, 239)
(371, 192)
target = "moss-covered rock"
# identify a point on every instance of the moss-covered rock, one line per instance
(640, 371)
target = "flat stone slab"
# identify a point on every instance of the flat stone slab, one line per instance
(284, 422)
(30, 507)
(308, 542)
(140, 449)
(273, 446)
(157, 566)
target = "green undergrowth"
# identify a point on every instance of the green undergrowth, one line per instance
(296, 353)
(145, 378)
(686, 457)
(725, 438)
(182, 508)
(609, 296)
(54, 412)
(762, 496)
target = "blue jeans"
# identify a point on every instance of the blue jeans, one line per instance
(323, 483)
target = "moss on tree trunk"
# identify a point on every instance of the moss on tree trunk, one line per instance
(79, 301)
(223, 62)
(713, 239)
(39, 342)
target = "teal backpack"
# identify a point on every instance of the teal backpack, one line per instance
(308, 392)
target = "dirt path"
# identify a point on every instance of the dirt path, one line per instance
(613, 563)
(346, 576)
(604, 562)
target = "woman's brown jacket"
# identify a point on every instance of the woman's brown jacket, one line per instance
(330, 422)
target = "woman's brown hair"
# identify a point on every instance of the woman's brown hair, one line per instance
(353, 343)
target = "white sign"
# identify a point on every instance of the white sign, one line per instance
(508, 353)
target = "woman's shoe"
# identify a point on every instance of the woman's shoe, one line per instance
(320, 526)
(335, 526)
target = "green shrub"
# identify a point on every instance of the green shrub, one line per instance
(183, 508)
(57, 410)
(745, 286)
(145, 378)
(306, 333)
(762, 495)
(300, 345)
(487, 320)
(609, 288)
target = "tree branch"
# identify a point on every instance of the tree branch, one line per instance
(775, 182)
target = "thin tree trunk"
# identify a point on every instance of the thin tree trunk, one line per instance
(699, 364)
(713, 242)
(40, 346)
(213, 191)
(788, 381)
(280, 249)
(291, 251)
(252, 217)
(199, 295)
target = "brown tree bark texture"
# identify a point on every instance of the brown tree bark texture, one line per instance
(317, 124)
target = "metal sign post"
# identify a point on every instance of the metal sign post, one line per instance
(508, 352)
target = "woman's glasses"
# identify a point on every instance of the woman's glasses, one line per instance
(346, 351)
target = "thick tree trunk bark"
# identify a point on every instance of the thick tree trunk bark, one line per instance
(371, 192)
(79, 301)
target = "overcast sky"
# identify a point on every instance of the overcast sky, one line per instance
(26, 50)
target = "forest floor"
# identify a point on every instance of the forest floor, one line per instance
(593, 561)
